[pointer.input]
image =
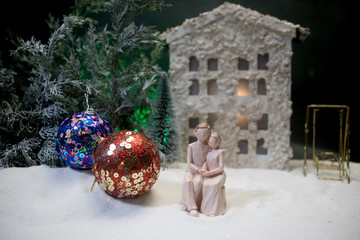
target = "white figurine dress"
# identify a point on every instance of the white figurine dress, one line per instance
(213, 199)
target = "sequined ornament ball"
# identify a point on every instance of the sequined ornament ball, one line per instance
(77, 137)
(126, 164)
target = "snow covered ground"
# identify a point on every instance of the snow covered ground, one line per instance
(46, 203)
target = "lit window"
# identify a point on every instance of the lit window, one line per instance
(242, 121)
(243, 87)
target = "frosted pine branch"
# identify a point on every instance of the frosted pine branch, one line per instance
(109, 64)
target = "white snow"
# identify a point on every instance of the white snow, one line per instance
(47, 203)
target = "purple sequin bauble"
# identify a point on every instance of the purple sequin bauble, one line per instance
(77, 138)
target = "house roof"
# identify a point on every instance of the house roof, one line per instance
(243, 15)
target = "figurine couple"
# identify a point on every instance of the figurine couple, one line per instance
(203, 187)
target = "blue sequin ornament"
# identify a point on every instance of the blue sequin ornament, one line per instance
(77, 138)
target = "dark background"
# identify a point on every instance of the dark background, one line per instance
(324, 66)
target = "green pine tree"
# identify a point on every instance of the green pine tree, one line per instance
(162, 125)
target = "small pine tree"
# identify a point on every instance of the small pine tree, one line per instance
(162, 125)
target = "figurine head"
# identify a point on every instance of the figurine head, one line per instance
(202, 132)
(214, 141)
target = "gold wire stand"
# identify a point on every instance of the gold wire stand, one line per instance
(339, 161)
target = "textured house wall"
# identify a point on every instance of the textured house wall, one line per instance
(227, 38)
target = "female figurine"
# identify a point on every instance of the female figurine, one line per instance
(213, 192)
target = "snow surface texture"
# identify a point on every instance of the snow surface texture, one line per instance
(47, 203)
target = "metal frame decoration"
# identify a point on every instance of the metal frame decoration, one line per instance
(340, 160)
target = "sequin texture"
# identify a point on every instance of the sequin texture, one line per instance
(77, 137)
(133, 166)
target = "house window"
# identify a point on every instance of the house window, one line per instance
(262, 123)
(192, 139)
(212, 118)
(243, 64)
(212, 88)
(193, 64)
(260, 147)
(243, 87)
(193, 122)
(262, 61)
(243, 146)
(261, 87)
(242, 121)
(194, 89)
(212, 64)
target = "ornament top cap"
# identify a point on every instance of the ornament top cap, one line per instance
(90, 111)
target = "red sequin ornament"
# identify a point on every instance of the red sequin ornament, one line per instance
(126, 164)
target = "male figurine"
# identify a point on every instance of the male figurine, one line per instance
(196, 157)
